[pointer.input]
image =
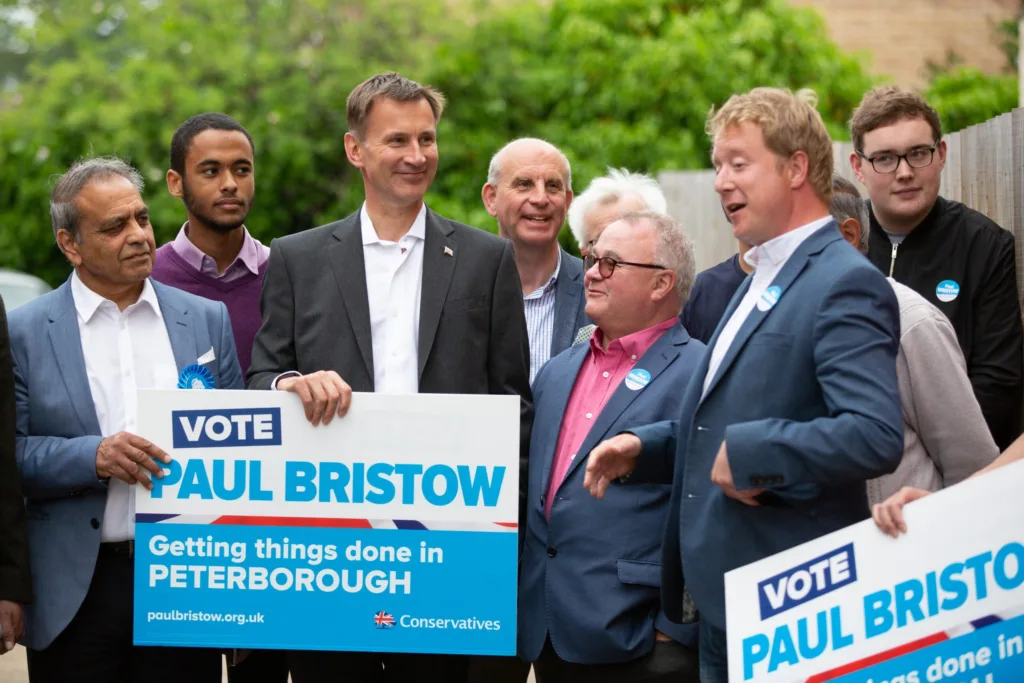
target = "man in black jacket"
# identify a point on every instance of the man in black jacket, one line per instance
(954, 256)
(15, 577)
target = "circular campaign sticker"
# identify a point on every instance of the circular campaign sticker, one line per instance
(947, 290)
(637, 379)
(195, 377)
(769, 298)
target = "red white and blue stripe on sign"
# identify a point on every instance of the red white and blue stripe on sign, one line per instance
(915, 645)
(325, 522)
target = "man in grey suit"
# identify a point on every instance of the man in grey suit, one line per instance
(80, 354)
(392, 299)
(528, 191)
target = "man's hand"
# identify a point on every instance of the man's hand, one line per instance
(129, 458)
(721, 476)
(323, 393)
(12, 623)
(610, 460)
(888, 514)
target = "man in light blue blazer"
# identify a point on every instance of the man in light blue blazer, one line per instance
(796, 403)
(80, 353)
(528, 191)
(589, 604)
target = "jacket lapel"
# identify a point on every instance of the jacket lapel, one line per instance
(350, 273)
(658, 357)
(783, 281)
(440, 252)
(66, 340)
(561, 389)
(180, 331)
(568, 299)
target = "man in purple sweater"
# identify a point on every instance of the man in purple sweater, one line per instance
(215, 257)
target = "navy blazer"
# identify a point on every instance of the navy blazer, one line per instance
(58, 434)
(807, 404)
(570, 302)
(590, 577)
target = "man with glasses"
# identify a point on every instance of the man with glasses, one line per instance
(955, 257)
(589, 605)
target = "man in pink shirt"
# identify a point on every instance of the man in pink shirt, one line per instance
(589, 605)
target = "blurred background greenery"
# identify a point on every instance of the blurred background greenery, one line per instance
(611, 82)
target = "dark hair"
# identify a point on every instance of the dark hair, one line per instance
(187, 132)
(885, 105)
(393, 86)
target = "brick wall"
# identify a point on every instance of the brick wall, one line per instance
(902, 35)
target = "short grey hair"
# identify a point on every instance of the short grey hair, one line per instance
(673, 248)
(847, 203)
(619, 183)
(494, 168)
(64, 212)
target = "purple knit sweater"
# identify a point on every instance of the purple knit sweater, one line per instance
(241, 296)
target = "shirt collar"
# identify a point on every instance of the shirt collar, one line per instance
(87, 302)
(777, 250)
(537, 293)
(418, 229)
(249, 254)
(632, 345)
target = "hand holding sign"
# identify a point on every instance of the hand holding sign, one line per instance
(888, 514)
(127, 457)
(322, 394)
(610, 460)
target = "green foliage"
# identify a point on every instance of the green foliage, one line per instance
(612, 82)
(964, 97)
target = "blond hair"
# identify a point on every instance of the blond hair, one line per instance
(789, 122)
(885, 105)
(393, 86)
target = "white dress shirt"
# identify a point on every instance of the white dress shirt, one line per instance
(394, 284)
(124, 352)
(767, 260)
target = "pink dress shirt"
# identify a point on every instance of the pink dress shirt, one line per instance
(600, 375)
(251, 256)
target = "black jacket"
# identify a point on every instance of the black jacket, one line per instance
(963, 263)
(15, 578)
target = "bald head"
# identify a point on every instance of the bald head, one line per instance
(528, 190)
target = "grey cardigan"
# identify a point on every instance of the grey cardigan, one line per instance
(945, 438)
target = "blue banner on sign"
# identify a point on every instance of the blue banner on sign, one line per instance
(407, 589)
(223, 428)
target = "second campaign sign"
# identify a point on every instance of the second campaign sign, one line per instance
(392, 529)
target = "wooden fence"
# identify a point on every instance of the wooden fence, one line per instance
(984, 170)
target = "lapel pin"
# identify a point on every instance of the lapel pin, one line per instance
(448, 251)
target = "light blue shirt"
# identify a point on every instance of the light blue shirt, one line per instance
(539, 306)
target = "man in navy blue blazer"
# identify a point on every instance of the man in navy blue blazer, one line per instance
(80, 354)
(796, 404)
(589, 604)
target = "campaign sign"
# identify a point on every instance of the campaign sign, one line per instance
(392, 529)
(944, 602)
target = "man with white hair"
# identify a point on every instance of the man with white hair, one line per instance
(589, 605)
(528, 189)
(607, 198)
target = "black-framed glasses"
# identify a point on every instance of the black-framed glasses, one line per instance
(606, 265)
(888, 162)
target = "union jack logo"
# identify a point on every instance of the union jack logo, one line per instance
(383, 620)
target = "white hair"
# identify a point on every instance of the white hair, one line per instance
(619, 183)
(494, 168)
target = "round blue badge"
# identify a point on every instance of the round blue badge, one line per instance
(947, 290)
(769, 298)
(195, 377)
(637, 379)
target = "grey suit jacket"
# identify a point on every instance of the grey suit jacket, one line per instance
(472, 336)
(570, 303)
(58, 434)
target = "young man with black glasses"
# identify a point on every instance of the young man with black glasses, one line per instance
(955, 257)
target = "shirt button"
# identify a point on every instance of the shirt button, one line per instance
(552, 552)
(394, 314)
(604, 374)
(633, 356)
(590, 415)
(394, 354)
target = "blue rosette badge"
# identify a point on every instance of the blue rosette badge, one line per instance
(195, 377)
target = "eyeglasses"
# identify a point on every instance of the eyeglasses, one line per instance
(887, 162)
(606, 265)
